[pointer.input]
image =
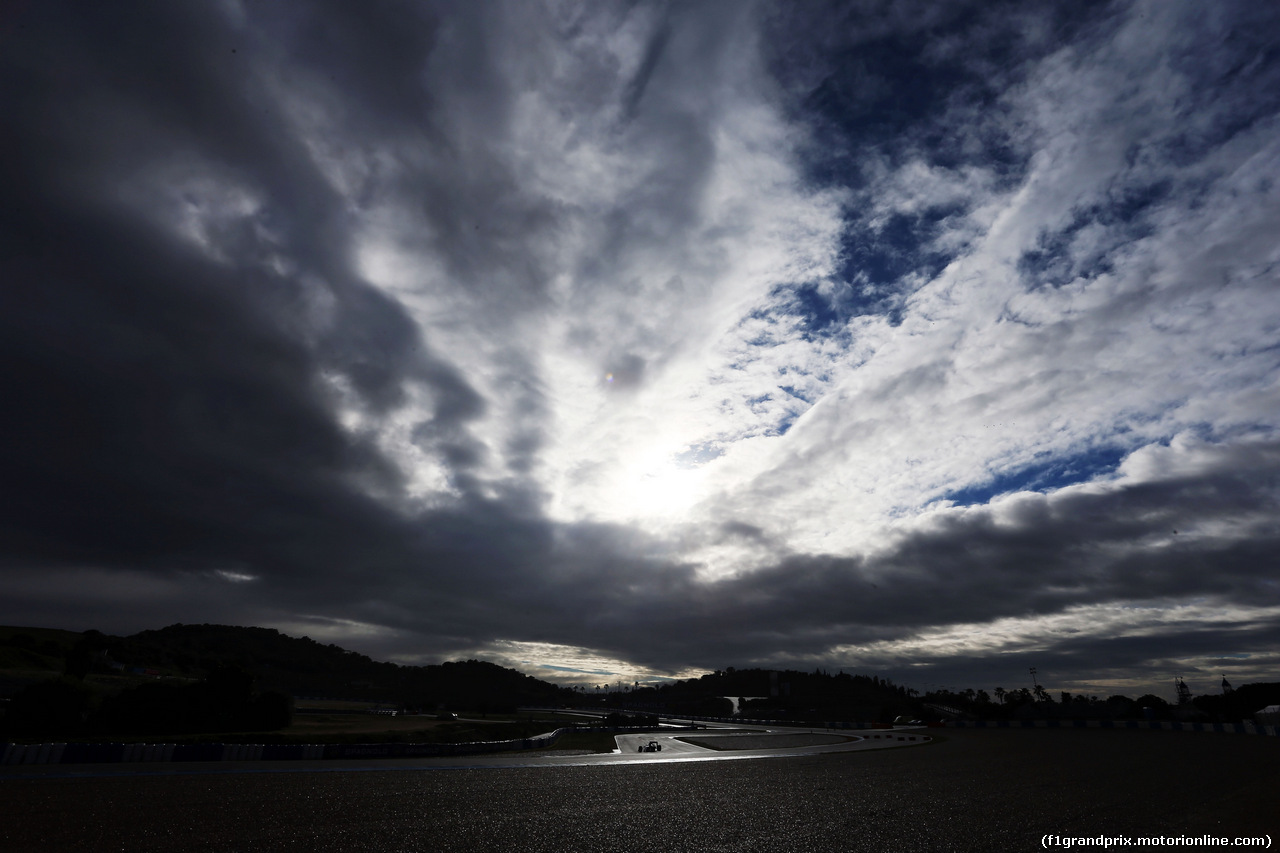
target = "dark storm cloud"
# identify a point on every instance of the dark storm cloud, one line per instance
(375, 51)
(166, 408)
(171, 415)
(652, 54)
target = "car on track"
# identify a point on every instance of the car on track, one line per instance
(651, 746)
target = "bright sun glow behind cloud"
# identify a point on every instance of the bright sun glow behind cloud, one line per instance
(653, 486)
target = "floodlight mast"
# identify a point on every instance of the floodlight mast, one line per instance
(1183, 692)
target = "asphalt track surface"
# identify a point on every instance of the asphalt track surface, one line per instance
(976, 790)
(727, 743)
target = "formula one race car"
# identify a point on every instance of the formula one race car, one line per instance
(651, 746)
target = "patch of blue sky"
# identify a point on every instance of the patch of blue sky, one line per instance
(1125, 214)
(877, 259)
(878, 92)
(795, 310)
(880, 263)
(815, 311)
(895, 95)
(818, 312)
(1126, 204)
(698, 454)
(1240, 86)
(775, 417)
(783, 426)
(895, 99)
(797, 393)
(1042, 476)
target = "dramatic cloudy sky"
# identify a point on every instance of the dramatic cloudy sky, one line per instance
(624, 340)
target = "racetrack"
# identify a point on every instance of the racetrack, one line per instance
(713, 743)
(975, 790)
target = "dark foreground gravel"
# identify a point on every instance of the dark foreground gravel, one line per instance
(977, 790)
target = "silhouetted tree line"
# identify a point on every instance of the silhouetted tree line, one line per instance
(224, 701)
(28, 643)
(772, 694)
(821, 695)
(1039, 703)
(1240, 703)
(282, 666)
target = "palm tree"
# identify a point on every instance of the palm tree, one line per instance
(1000, 694)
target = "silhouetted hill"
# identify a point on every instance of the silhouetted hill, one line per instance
(29, 655)
(298, 666)
(303, 667)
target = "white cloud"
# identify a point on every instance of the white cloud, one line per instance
(569, 665)
(615, 305)
(1045, 635)
(985, 374)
